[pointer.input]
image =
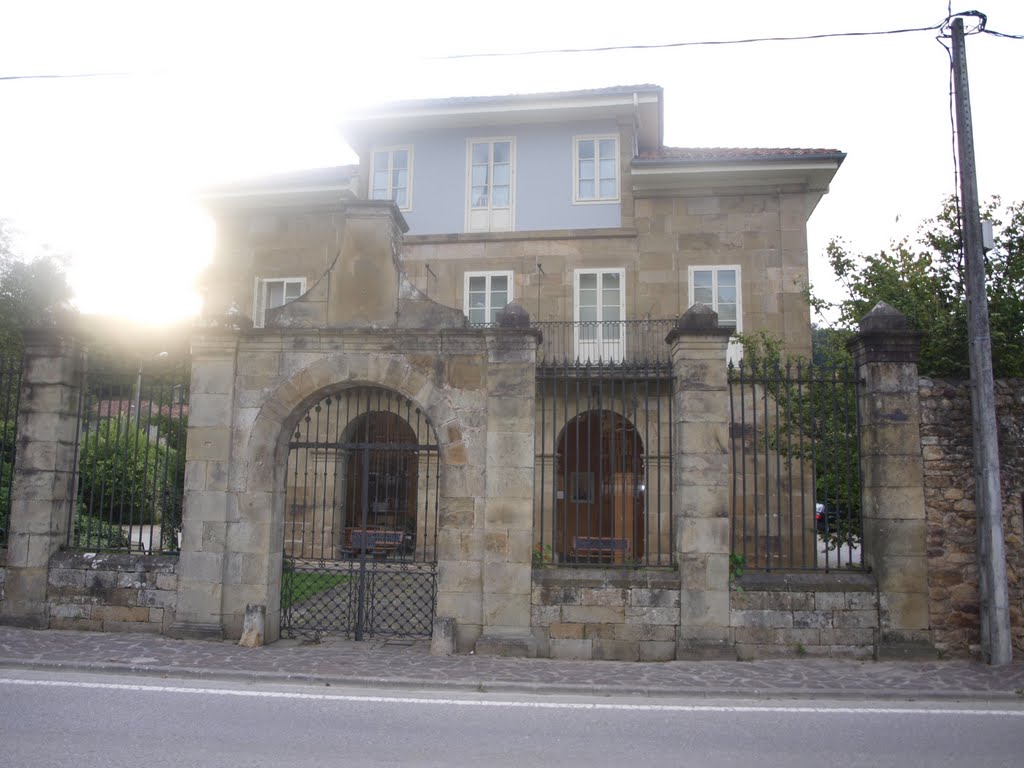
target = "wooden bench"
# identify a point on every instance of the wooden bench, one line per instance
(374, 542)
(600, 548)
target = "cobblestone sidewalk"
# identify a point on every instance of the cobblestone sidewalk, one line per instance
(398, 665)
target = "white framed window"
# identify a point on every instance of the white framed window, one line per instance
(274, 292)
(595, 169)
(490, 184)
(719, 289)
(391, 176)
(485, 293)
(599, 313)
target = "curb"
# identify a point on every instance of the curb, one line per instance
(507, 686)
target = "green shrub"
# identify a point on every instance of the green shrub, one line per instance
(172, 429)
(92, 533)
(6, 472)
(127, 477)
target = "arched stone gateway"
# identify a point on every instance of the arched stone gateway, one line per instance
(360, 518)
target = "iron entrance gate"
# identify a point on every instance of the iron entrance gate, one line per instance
(360, 529)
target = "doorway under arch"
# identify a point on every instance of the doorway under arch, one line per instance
(599, 510)
(360, 527)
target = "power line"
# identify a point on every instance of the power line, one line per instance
(1002, 34)
(63, 77)
(942, 25)
(695, 43)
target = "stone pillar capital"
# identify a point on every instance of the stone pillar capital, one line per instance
(885, 337)
(699, 323)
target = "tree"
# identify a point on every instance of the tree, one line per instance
(812, 419)
(924, 279)
(32, 292)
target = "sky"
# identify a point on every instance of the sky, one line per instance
(107, 169)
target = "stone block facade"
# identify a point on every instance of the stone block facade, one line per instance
(112, 592)
(710, 228)
(805, 615)
(946, 445)
(592, 613)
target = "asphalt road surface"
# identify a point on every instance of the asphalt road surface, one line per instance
(108, 721)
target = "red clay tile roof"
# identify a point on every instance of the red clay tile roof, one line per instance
(737, 154)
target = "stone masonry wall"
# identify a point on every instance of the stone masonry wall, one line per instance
(764, 234)
(112, 592)
(804, 615)
(946, 444)
(596, 613)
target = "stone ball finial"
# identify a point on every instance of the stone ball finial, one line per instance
(884, 317)
(512, 315)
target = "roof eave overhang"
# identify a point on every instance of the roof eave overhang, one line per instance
(643, 104)
(657, 174)
(303, 197)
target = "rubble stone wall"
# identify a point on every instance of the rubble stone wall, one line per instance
(946, 445)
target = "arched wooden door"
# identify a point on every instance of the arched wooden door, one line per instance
(599, 511)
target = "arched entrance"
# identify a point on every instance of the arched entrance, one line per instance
(360, 527)
(599, 511)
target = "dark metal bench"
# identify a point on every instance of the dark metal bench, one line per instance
(374, 542)
(600, 548)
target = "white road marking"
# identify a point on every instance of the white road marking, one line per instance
(517, 704)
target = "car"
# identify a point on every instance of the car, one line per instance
(826, 520)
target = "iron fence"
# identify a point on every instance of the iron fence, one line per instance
(635, 343)
(603, 470)
(796, 484)
(10, 392)
(131, 455)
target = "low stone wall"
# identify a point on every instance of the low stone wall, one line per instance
(804, 615)
(108, 592)
(596, 613)
(947, 449)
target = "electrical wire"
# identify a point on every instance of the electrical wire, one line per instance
(1003, 34)
(694, 43)
(63, 77)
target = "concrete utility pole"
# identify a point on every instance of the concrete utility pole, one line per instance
(995, 611)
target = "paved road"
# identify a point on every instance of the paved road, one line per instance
(50, 719)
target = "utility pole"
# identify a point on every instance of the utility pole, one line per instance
(995, 610)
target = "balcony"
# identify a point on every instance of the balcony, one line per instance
(622, 345)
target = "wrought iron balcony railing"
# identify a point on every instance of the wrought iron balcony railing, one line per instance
(607, 344)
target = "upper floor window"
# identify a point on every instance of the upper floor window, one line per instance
(598, 314)
(390, 174)
(490, 186)
(486, 293)
(719, 289)
(596, 169)
(275, 292)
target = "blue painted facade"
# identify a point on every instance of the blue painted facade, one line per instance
(543, 177)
